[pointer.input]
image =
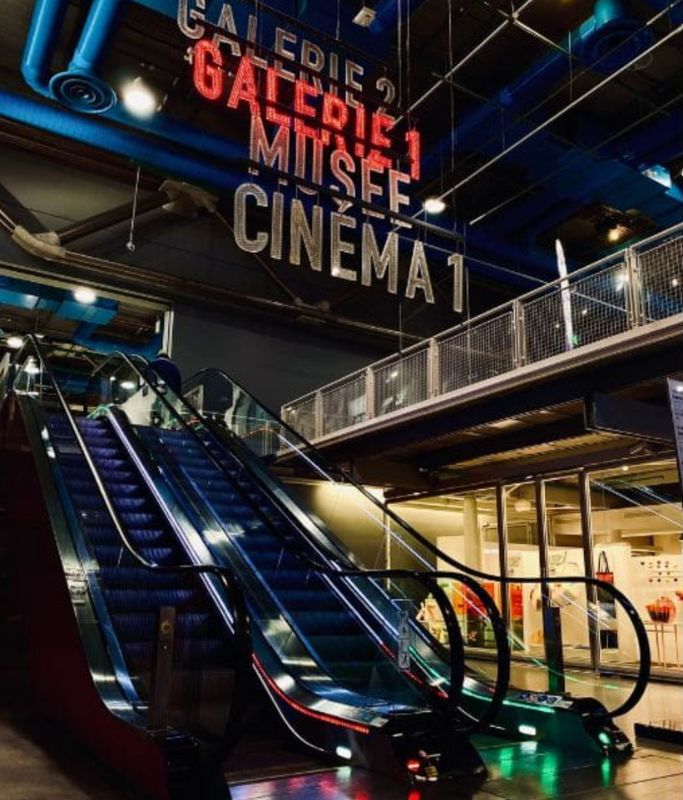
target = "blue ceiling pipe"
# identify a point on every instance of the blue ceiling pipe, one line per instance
(79, 85)
(97, 133)
(81, 89)
(85, 336)
(589, 43)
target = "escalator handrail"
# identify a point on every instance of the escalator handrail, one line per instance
(428, 579)
(457, 659)
(645, 661)
(241, 617)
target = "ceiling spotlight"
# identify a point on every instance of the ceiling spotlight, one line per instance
(522, 506)
(617, 233)
(85, 295)
(365, 15)
(434, 205)
(31, 368)
(15, 342)
(139, 99)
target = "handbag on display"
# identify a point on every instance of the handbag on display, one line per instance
(604, 574)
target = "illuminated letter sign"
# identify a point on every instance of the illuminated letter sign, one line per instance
(311, 122)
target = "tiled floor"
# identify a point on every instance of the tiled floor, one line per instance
(36, 765)
(517, 772)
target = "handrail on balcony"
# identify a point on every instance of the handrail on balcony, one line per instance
(624, 304)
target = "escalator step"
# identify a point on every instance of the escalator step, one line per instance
(137, 599)
(305, 599)
(132, 577)
(357, 647)
(325, 622)
(111, 555)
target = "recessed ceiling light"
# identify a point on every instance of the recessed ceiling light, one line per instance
(85, 295)
(365, 16)
(522, 506)
(434, 205)
(15, 342)
(139, 99)
(505, 423)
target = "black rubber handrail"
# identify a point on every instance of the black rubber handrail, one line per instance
(235, 594)
(428, 579)
(645, 662)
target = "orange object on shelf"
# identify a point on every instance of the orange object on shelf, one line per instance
(662, 610)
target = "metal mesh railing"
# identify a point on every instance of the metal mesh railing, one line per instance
(401, 382)
(576, 313)
(477, 353)
(344, 403)
(632, 288)
(661, 279)
(301, 415)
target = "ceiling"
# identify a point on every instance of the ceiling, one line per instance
(565, 119)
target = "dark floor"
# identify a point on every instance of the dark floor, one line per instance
(35, 764)
(517, 772)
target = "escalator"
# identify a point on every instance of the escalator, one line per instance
(97, 570)
(286, 483)
(128, 547)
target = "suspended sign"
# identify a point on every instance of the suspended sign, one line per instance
(312, 128)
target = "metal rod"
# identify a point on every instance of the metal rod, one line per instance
(587, 542)
(463, 61)
(601, 84)
(106, 219)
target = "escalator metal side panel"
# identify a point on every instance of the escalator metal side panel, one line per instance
(71, 674)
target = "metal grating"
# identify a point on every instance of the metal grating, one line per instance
(586, 310)
(661, 278)
(479, 352)
(635, 287)
(301, 417)
(344, 404)
(402, 382)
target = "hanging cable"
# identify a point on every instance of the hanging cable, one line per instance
(130, 244)
(399, 52)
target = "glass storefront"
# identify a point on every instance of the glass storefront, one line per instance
(623, 525)
(636, 525)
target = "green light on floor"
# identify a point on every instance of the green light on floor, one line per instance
(604, 737)
(527, 730)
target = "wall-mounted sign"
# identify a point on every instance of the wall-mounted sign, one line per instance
(329, 143)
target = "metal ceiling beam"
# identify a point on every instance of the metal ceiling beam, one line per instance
(500, 442)
(107, 219)
(561, 112)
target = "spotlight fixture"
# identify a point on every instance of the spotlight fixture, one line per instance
(434, 205)
(85, 295)
(365, 15)
(522, 506)
(15, 342)
(616, 234)
(139, 99)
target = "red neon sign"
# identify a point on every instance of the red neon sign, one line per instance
(317, 114)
